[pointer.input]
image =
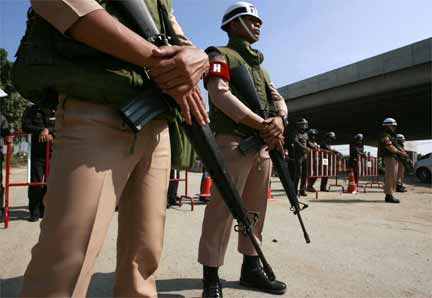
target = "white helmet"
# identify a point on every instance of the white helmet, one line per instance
(2, 93)
(239, 9)
(389, 122)
(400, 137)
(359, 137)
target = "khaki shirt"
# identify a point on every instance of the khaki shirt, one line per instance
(62, 14)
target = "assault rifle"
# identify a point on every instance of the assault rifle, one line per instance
(241, 78)
(136, 113)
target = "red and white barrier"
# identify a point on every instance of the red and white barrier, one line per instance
(8, 184)
(324, 164)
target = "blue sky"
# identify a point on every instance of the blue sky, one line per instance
(300, 38)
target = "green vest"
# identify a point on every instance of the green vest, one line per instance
(47, 59)
(238, 52)
(382, 150)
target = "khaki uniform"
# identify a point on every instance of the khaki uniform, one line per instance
(250, 172)
(391, 163)
(99, 163)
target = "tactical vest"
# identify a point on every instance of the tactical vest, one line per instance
(221, 123)
(382, 150)
(47, 59)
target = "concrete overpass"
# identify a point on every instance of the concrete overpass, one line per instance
(357, 97)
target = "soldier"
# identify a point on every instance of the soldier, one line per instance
(403, 164)
(390, 153)
(232, 120)
(300, 151)
(356, 151)
(39, 121)
(312, 145)
(97, 160)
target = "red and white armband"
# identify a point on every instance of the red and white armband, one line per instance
(217, 69)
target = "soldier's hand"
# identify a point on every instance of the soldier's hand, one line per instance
(9, 139)
(193, 103)
(43, 136)
(402, 153)
(179, 68)
(273, 128)
(278, 144)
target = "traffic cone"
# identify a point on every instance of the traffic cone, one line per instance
(206, 184)
(269, 193)
(352, 187)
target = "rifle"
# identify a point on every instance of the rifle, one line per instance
(241, 78)
(201, 137)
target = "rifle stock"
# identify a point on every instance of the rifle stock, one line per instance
(201, 137)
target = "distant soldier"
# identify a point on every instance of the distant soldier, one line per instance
(38, 120)
(404, 164)
(356, 151)
(300, 151)
(312, 144)
(389, 152)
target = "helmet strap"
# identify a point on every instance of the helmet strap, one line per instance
(247, 29)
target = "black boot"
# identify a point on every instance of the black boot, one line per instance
(253, 276)
(34, 215)
(400, 188)
(212, 287)
(391, 199)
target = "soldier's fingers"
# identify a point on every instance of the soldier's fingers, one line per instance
(195, 110)
(184, 108)
(200, 103)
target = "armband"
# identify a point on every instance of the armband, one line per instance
(218, 69)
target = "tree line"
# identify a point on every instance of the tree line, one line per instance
(13, 105)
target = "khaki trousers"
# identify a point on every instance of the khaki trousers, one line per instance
(92, 170)
(391, 172)
(251, 174)
(401, 173)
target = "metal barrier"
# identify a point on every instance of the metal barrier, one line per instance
(186, 193)
(8, 184)
(322, 164)
(367, 166)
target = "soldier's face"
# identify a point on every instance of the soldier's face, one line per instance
(252, 24)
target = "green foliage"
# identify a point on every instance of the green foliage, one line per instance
(12, 106)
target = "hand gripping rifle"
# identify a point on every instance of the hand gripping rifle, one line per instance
(241, 78)
(201, 137)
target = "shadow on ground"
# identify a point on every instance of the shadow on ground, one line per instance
(347, 201)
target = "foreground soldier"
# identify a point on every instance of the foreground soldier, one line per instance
(356, 149)
(390, 153)
(97, 160)
(232, 121)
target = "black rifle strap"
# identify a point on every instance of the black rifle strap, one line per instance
(166, 26)
(269, 97)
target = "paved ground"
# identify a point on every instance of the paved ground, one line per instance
(361, 247)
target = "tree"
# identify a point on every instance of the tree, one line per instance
(13, 105)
